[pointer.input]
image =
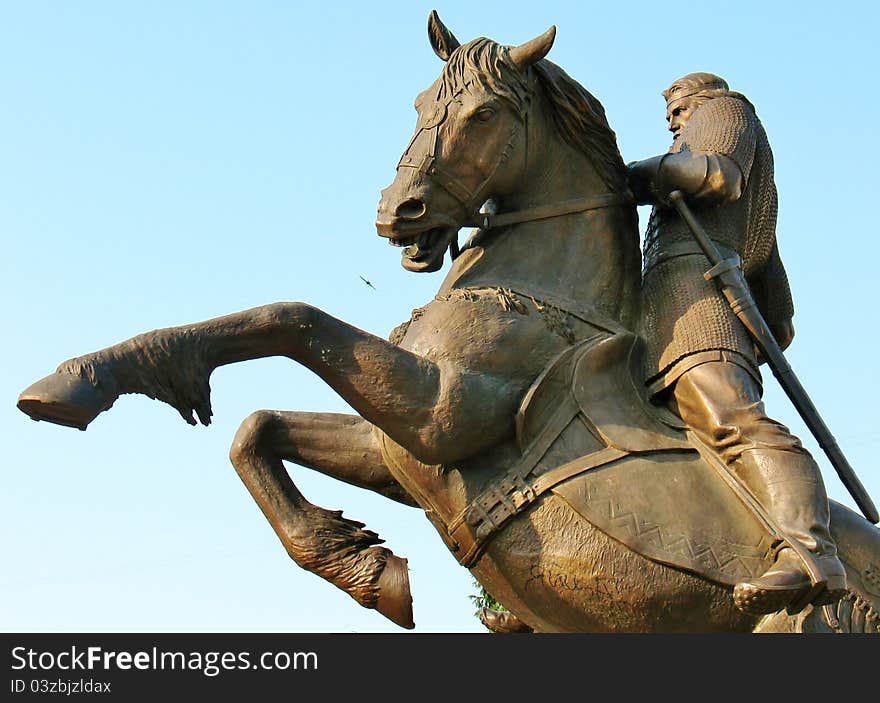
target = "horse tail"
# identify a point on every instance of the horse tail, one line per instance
(858, 543)
(853, 614)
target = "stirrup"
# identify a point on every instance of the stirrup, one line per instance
(757, 599)
(795, 581)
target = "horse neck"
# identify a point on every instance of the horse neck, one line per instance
(554, 170)
(590, 257)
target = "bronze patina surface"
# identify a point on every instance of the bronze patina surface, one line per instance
(512, 408)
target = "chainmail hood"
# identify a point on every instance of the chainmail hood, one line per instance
(700, 85)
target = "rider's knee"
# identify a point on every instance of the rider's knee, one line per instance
(251, 435)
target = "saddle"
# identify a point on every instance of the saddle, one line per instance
(589, 435)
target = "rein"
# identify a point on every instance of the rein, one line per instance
(488, 222)
(545, 212)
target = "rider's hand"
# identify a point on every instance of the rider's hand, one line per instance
(783, 332)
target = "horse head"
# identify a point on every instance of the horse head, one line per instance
(469, 145)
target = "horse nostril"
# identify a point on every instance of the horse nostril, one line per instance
(411, 209)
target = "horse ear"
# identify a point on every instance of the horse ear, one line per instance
(526, 54)
(442, 40)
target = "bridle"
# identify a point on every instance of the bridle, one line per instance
(428, 167)
(472, 200)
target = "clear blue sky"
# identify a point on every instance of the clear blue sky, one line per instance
(170, 162)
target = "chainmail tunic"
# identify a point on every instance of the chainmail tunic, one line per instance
(685, 315)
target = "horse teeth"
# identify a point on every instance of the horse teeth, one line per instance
(402, 242)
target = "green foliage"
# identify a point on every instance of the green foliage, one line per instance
(484, 599)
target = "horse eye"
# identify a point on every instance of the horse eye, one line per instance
(485, 114)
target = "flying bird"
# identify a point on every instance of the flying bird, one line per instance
(368, 283)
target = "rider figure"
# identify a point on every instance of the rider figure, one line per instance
(701, 360)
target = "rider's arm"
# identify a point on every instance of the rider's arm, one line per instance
(704, 177)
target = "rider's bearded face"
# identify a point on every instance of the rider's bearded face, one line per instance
(679, 112)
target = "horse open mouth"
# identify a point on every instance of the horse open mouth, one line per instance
(424, 251)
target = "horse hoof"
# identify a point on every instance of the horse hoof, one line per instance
(500, 621)
(395, 598)
(64, 399)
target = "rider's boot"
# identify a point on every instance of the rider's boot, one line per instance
(789, 486)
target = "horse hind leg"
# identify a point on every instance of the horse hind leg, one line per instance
(319, 540)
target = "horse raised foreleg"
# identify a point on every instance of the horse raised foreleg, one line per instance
(437, 411)
(319, 540)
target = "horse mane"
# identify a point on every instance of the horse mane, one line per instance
(576, 113)
(483, 62)
(580, 119)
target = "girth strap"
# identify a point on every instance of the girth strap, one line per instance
(474, 526)
(481, 520)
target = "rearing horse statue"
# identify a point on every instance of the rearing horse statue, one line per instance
(506, 408)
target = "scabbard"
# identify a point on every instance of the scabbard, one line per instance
(728, 276)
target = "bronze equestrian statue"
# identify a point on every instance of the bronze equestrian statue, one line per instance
(511, 407)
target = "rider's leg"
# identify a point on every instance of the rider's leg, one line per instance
(721, 401)
(319, 540)
(435, 410)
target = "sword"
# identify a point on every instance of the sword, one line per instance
(729, 278)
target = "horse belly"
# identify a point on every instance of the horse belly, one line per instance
(559, 573)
